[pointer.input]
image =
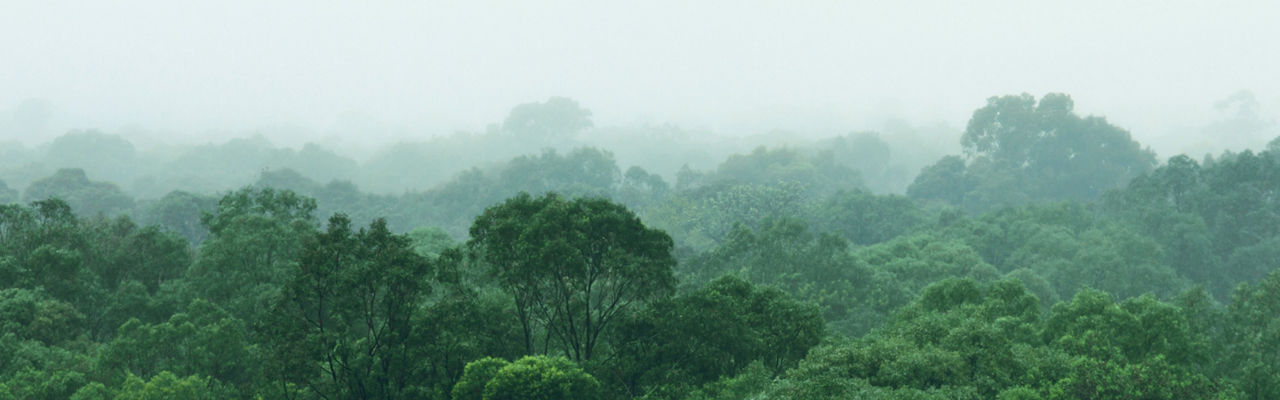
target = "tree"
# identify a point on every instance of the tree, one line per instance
(555, 119)
(1018, 150)
(477, 374)
(714, 332)
(542, 378)
(255, 236)
(813, 174)
(84, 196)
(344, 323)
(201, 340)
(180, 212)
(572, 266)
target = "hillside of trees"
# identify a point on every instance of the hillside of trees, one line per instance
(1053, 257)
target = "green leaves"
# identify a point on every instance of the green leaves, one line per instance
(572, 267)
(711, 333)
(344, 323)
(1019, 150)
(529, 378)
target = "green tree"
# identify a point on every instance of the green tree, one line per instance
(572, 266)
(478, 373)
(84, 196)
(558, 118)
(344, 323)
(1021, 150)
(179, 212)
(715, 332)
(256, 236)
(542, 378)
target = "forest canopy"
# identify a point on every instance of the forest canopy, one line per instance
(1051, 257)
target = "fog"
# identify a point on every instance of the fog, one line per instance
(355, 76)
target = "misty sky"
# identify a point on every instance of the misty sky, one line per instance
(392, 69)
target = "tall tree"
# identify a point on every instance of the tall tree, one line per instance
(1021, 150)
(572, 266)
(556, 118)
(255, 235)
(344, 325)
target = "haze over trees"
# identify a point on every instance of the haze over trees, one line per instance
(1054, 257)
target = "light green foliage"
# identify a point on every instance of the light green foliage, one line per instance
(1021, 150)
(1150, 379)
(639, 188)
(542, 378)
(430, 242)
(752, 380)
(918, 260)
(454, 205)
(212, 168)
(84, 196)
(1071, 248)
(167, 386)
(477, 375)
(101, 153)
(705, 216)
(42, 384)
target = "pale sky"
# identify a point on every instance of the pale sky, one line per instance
(194, 69)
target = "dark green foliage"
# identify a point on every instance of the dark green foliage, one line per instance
(256, 235)
(1252, 339)
(793, 281)
(572, 266)
(202, 340)
(715, 332)
(345, 321)
(1217, 222)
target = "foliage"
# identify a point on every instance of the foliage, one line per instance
(1018, 150)
(572, 266)
(541, 378)
(344, 323)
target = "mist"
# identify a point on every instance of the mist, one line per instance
(659, 201)
(360, 76)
